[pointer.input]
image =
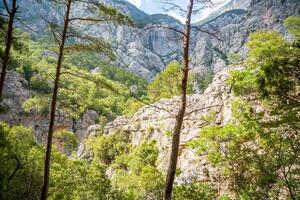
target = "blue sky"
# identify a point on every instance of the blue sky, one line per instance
(151, 7)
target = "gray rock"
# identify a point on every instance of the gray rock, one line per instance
(147, 52)
(16, 92)
(152, 123)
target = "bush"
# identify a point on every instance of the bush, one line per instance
(194, 191)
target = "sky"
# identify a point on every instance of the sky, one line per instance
(152, 7)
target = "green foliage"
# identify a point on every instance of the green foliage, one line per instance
(272, 68)
(68, 139)
(23, 54)
(252, 153)
(135, 173)
(258, 152)
(114, 15)
(91, 61)
(20, 174)
(293, 25)
(194, 191)
(21, 171)
(77, 179)
(242, 82)
(107, 147)
(234, 58)
(80, 91)
(167, 83)
(202, 80)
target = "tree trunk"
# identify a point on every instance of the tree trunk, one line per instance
(181, 112)
(9, 38)
(53, 103)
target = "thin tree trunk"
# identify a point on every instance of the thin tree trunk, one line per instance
(9, 38)
(180, 114)
(53, 103)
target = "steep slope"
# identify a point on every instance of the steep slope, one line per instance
(153, 123)
(230, 5)
(17, 93)
(147, 52)
(143, 52)
(233, 28)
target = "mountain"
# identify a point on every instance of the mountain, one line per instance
(142, 52)
(146, 53)
(229, 6)
(233, 28)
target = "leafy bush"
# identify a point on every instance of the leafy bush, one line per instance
(194, 191)
(202, 81)
(21, 158)
(167, 83)
(135, 173)
(68, 138)
(107, 147)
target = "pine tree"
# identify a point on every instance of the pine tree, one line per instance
(107, 14)
(9, 38)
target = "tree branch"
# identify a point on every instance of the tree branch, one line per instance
(207, 32)
(162, 26)
(203, 108)
(90, 19)
(54, 35)
(82, 76)
(6, 7)
(15, 171)
(172, 6)
(151, 105)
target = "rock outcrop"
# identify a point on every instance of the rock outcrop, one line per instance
(16, 92)
(156, 121)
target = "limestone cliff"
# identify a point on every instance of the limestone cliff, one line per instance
(147, 52)
(17, 92)
(156, 121)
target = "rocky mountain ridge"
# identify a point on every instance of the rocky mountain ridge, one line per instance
(208, 54)
(146, 53)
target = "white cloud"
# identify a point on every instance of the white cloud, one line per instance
(137, 3)
(176, 15)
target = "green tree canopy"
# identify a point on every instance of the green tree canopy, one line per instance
(258, 151)
(167, 83)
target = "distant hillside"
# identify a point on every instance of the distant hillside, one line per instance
(140, 16)
(236, 5)
(215, 16)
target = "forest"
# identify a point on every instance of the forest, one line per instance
(67, 73)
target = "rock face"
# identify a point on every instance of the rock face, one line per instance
(147, 52)
(142, 52)
(16, 92)
(233, 28)
(153, 123)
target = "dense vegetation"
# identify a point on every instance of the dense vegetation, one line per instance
(257, 153)
(167, 83)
